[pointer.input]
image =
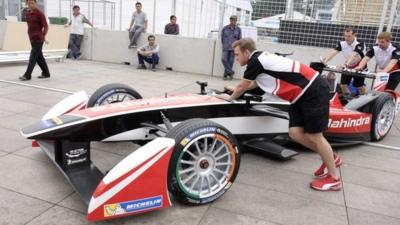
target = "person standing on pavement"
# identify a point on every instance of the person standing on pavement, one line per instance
(230, 33)
(137, 26)
(37, 30)
(77, 30)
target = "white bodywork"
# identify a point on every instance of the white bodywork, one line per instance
(75, 101)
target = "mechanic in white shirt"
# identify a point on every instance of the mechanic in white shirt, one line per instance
(387, 58)
(77, 30)
(353, 51)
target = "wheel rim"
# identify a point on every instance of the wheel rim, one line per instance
(116, 97)
(385, 118)
(205, 165)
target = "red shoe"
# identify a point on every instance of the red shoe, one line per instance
(327, 184)
(322, 172)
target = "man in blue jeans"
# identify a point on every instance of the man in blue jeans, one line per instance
(149, 53)
(229, 34)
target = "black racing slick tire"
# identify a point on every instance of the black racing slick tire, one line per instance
(383, 115)
(204, 163)
(112, 93)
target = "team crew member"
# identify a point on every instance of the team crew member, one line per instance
(37, 30)
(353, 51)
(305, 89)
(387, 58)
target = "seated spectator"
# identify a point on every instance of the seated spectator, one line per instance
(172, 27)
(149, 53)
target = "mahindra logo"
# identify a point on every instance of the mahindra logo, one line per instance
(344, 123)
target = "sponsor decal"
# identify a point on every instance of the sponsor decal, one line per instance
(201, 131)
(76, 156)
(184, 141)
(196, 133)
(57, 120)
(344, 123)
(132, 206)
(75, 161)
(384, 78)
(75, 153)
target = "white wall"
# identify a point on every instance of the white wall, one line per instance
(192, 55)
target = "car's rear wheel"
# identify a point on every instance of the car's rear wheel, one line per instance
(112, 93)
(204, 163)
(383, 114)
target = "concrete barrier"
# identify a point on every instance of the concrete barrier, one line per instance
(192, 55)
(183, 54)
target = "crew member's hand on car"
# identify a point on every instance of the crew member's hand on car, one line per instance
(225, 97)
(229, 89)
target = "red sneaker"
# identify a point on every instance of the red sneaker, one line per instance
(327, 184)
(322, 171)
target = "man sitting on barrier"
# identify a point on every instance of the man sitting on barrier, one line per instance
(149, 53)
(387, 58)
(353, 51)
(308, 94)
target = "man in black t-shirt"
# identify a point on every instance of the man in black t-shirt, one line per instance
(308, 94)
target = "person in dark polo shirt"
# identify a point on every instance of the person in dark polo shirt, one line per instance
(172, 27)
(37, 30)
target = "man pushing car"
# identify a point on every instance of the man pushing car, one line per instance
(308, 94)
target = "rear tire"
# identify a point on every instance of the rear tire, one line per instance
(204, 163)
(383, 113)
(112, 93)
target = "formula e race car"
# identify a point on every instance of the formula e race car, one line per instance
(190, 143)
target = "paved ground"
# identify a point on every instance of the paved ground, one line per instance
(33, 191)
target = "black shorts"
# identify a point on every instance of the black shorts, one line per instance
(357, 81)
(311, 110)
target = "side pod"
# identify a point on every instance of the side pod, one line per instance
(137, 184)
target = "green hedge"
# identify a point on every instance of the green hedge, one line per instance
(58, 20)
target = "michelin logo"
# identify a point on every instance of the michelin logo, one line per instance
(132, 206)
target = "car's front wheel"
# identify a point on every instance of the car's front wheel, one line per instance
(204, 163)
(383, 114)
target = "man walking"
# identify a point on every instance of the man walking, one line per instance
(230, 33)
(77, 31)
(137, 26)
(37, 30)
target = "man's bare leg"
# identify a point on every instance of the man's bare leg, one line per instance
(325, 151)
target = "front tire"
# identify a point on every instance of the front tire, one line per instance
(204, 163)
(383, 114)
(112, 93)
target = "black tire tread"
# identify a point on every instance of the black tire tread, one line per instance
(104, 89)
